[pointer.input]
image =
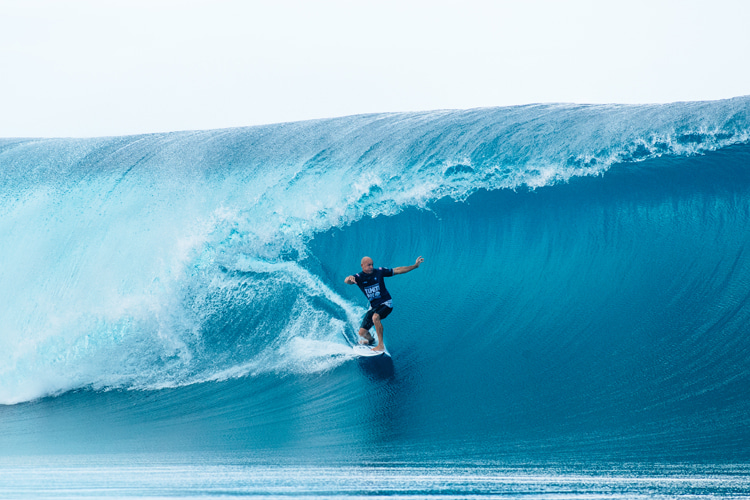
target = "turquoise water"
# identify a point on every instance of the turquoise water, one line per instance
(580, 316)
(168, 477)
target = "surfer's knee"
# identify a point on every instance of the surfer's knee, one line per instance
(376, 318)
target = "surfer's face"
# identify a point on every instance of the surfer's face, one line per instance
(367, 265)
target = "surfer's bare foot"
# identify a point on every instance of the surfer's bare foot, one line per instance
(379, 348)
(367, 341)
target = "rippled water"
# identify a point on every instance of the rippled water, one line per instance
(184, 477)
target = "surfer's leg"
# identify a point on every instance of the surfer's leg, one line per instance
(379, 332)
(364, 329)
(366, 337)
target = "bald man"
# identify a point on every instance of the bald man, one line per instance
(372, 283)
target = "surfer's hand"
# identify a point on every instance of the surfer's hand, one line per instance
(419, 261)
(349, 280)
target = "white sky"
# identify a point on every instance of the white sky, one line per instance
(113, 67)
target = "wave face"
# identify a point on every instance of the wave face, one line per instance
(586, 279)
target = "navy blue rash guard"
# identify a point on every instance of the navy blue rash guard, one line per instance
(373, 286)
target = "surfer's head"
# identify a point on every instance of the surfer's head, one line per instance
(367, 265)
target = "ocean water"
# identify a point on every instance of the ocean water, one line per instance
(165, 477)
(175, 322)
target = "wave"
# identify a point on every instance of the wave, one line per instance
(586, 261)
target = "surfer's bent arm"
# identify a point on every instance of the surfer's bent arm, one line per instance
(406, 269)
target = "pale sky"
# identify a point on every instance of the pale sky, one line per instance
(113, 67)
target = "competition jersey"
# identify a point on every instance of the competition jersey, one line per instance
(373, 286)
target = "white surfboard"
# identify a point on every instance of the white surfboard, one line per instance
(366, 351)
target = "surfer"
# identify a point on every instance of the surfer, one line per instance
(371, 282)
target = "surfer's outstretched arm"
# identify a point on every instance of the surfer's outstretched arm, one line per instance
(406, 269)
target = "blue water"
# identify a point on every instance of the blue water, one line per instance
(583, 305)
(144, 477)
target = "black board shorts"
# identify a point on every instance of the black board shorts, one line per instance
(383, 310)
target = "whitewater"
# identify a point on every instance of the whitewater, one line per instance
(585, 296)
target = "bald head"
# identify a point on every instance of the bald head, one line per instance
(367, 265)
